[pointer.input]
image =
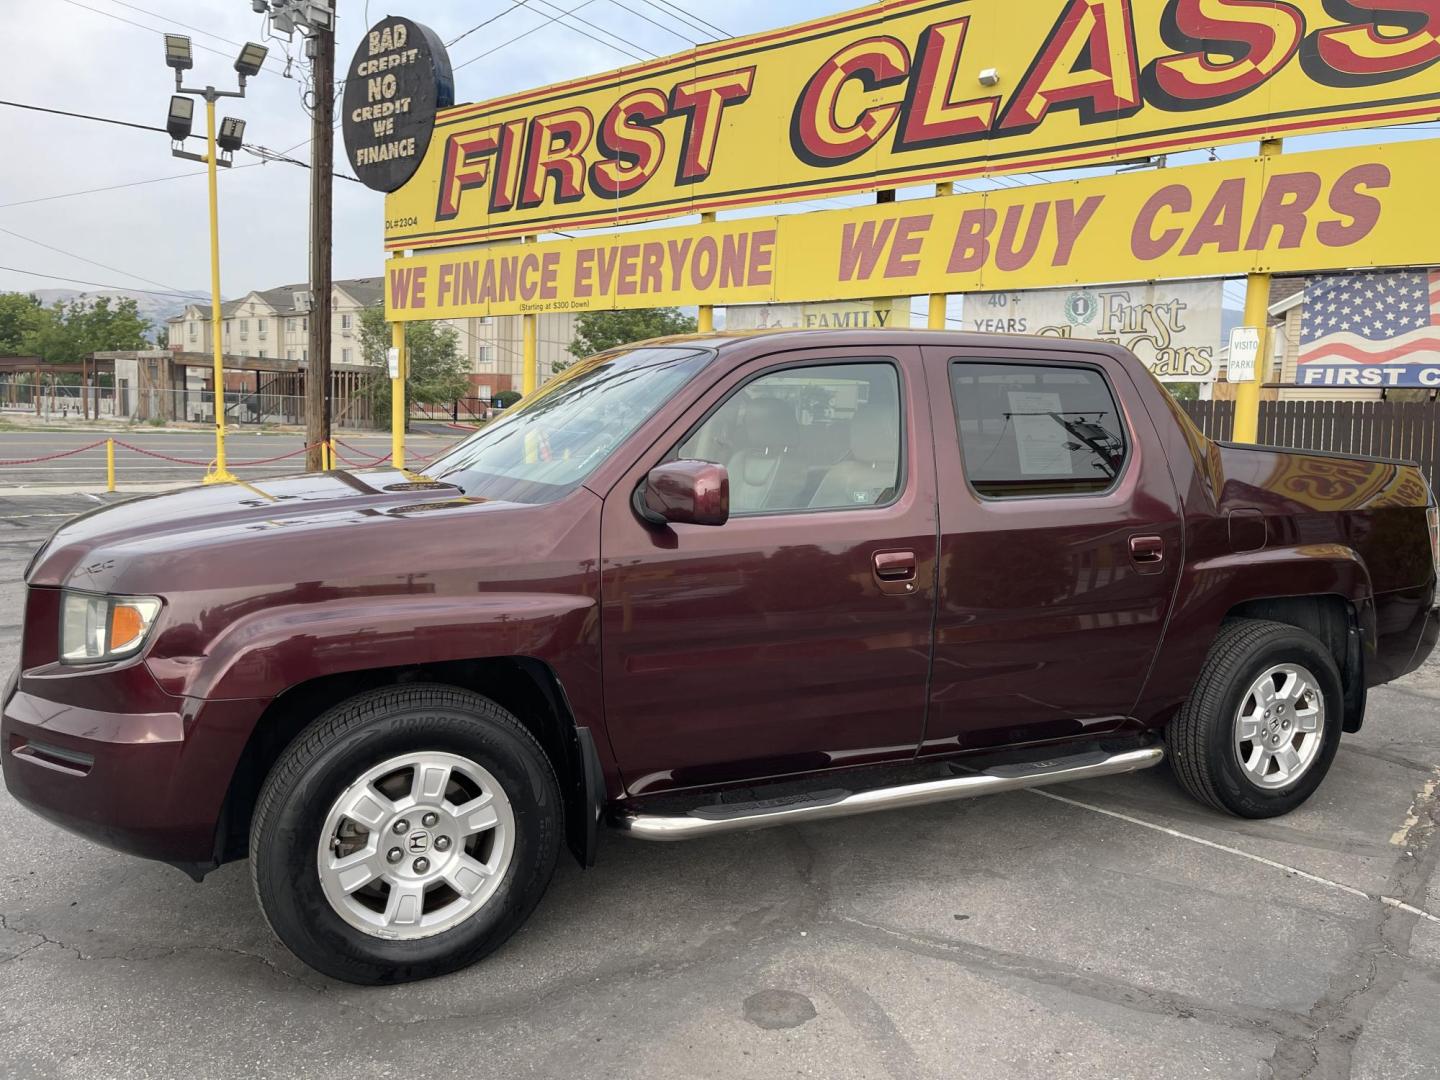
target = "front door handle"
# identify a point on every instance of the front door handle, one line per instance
(1148, 552)
(895, 571)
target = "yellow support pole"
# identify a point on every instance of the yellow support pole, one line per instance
(936, 320)
(705, 316)
(109, 464)
(529, 356)
(1257, 314)
(397, 396)
(220, 474)
(529, 349)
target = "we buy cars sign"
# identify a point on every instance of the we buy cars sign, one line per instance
(910, 91)
(1285, 213)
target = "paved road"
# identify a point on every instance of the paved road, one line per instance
(86, 471)
(1106, 929)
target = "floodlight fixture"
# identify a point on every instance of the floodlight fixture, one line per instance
(177, 52)
(250, 60)
(181, 117)
(232, 134)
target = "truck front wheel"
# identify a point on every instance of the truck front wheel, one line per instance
(1262, 725)
(405, 833)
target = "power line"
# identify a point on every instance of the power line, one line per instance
(92, 262)
(97, 284)
(699, 22)
(641, 15)
(150, 29)
(177, 22)
(596, 26)
(113, 187)
(85, 116)
(484, 23)
(526, 33)
(264, 153)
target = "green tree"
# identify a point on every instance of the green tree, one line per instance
(87, 325)
(21, 318)
(438, 373)
(596, 331)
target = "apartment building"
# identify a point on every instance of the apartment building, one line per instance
(494, 347)
(275, 323)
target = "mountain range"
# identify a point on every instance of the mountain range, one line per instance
(153, 307)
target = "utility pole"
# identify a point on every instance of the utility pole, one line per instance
(322, 156)
(315, 20)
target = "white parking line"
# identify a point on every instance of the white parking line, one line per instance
(1177, 834)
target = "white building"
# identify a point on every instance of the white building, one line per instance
(275, 324)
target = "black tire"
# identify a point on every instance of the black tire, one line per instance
(1200, 738)
(329, 755)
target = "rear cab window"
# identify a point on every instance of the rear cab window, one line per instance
(1029, 430)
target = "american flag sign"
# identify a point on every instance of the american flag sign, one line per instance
(1379, 328)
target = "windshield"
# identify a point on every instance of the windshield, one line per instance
(545, 447)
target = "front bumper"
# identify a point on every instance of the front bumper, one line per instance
(148, 783)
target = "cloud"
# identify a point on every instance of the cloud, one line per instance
(84, 61)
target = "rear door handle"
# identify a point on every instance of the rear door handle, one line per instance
(1147, 551)
(895, 571)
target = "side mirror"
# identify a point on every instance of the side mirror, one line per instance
(685, 493)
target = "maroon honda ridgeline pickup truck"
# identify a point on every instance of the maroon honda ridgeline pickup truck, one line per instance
(700, 585)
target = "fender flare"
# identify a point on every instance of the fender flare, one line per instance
(263, 654)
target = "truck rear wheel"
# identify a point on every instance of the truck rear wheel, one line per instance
(404, 834)
(1261, 727)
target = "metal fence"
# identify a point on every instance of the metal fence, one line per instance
(270, 401)
(1395, 429)
(468, 410)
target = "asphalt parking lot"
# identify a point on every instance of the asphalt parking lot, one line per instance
(1105, 929)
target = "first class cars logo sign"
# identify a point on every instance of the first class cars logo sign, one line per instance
(399, 78)
(912, 91)
(1173, 327)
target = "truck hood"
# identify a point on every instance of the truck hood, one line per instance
(141, 544)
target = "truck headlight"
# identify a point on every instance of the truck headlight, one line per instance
(95, 628)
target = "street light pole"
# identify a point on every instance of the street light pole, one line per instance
(219, 153)
(220, 473)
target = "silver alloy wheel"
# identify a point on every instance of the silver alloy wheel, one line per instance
(1280, 726)
(416, 845)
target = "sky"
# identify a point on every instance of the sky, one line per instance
(106, 57)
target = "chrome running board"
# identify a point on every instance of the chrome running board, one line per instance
(714, 819)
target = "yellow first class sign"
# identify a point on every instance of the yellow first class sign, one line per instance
(911, 91)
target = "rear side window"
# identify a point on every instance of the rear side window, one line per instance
(1030, 430)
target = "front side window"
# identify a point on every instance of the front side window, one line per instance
(806, 438)
(1029, 430)
(547, 445)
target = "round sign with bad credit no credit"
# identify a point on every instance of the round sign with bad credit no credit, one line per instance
(399, 77)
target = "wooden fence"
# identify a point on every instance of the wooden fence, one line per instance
(1394, 429)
